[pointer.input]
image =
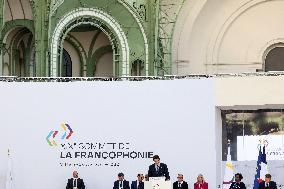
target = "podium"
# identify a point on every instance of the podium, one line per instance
(157, 183)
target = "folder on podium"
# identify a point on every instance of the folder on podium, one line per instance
(157, 183)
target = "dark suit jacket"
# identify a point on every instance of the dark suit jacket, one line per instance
(272, 185)
(240, 185)
(184, 185)
(125, 185)
(134, 185)
(80, 184)
(163, 171)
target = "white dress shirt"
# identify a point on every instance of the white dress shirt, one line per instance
(157, 167)
(179, 184)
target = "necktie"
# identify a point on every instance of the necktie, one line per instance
(120, 184)
(139, 185)
(267, 185)
(179, 185)
(75, 183)
(157, 168)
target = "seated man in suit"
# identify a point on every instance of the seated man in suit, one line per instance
(267, 184)
(75, 182)
(180, 184)
(158, 169)
(138, 184)
(121, 183)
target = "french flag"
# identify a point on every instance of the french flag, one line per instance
(262, 168)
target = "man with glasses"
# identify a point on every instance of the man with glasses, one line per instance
(180, 183)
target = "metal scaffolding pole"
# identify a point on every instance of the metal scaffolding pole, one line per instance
(167, 12)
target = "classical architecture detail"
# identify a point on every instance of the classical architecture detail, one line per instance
(114, 38)
(104, 18)
(231, 37)
(143, 32)
(54, 5)
(141, 10)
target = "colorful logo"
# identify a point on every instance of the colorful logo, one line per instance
(66, 135)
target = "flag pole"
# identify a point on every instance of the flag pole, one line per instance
(9, 177)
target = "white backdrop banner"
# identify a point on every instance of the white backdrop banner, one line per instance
(103, 128)
(248, 147)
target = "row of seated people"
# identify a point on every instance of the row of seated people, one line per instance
(266, 184)
(158, 169)
(121, 183)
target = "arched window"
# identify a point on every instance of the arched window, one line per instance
(274, 60)
(137, 67)
(18, 54)
(66, 64)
